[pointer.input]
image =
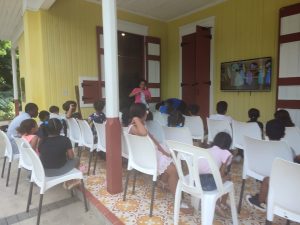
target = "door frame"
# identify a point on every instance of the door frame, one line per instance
(189, 29)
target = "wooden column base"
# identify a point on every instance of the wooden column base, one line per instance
(113, 156)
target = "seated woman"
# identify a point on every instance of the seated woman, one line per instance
(56, 153)
(284, 117)
(166, 169)
(223, 159)
(28, 129)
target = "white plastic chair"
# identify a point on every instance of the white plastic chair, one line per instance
(180, 134)
(258, 158)
(216, 126)
(292, 138)
(74, 132)
(24, 162)
(283, 196)
(195, 124)
(161, 118)
(87, 140)
(156, 130)
(8, 154)
(142, 157)
(193, 186)
(123, 142)
(45, 183)
(241, 129)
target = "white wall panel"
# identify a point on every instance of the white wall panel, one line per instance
(289, 92)
(153, 49)
(153, 71)
(290, 24)
(289, 65)
(155, 92)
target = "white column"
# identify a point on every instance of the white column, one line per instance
(109, 14)
(14, 73)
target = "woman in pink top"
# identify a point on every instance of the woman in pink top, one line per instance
(141, 94)
(222, 158)
(28, 130)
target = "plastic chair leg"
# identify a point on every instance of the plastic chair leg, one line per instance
(84, 196)
(152, 198)
(241, 195)
(3, 168)
(40, 209)
(95, 163)
(178, 196)
(17, 182)
(233, 208)
(29, 196)
(90, 160)
(126, 185)
(134, 181)
(208, 205)
(8, 174)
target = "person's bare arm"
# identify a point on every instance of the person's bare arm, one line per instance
(138, 127)
(34, 142)
(159, 146)
(70, 153)
(224, 170)
(134, 92)
(70, 111)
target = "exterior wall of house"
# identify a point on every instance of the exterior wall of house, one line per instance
(67, 37)
(243, 30)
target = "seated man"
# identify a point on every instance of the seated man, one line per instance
(31, 111)
(221, 112)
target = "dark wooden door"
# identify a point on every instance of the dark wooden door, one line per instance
(188, 46)
(196, 69)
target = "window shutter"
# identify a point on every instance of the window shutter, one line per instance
(90, 91)
(100, 54)
(153, 67)
(288, 80)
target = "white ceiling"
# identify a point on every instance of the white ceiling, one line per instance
(10, 18)
(164, 10)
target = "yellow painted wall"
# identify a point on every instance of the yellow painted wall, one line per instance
(243, 29)
(68, 37)
(33, 71)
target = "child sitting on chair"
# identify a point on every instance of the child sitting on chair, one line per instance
(28, 130)
(222, 156)
(275, 130)
(253, 115)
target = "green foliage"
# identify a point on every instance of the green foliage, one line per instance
(7, 107)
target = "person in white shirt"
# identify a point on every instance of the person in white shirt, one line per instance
(31, 111)
(221, 112)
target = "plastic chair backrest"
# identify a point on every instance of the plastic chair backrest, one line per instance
(86, 133)
(156, 130)
(292, 138)
(161, 118)
(241, 129)
(180, 134)
(216, 126)
(24, 159)
(142, 154)
(100, 129)
(179, 151)
(285, 184)
(74, 130)
(123, 142)
(260, 154)
(195, 124)
(8, 152)
(38, 173)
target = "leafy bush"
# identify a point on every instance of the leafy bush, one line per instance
(7, 107)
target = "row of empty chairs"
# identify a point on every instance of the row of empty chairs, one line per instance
(29, 160)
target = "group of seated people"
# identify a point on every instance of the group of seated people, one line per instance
(55, 150)
(48, 138)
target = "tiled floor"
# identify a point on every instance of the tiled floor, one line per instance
(135, 209)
